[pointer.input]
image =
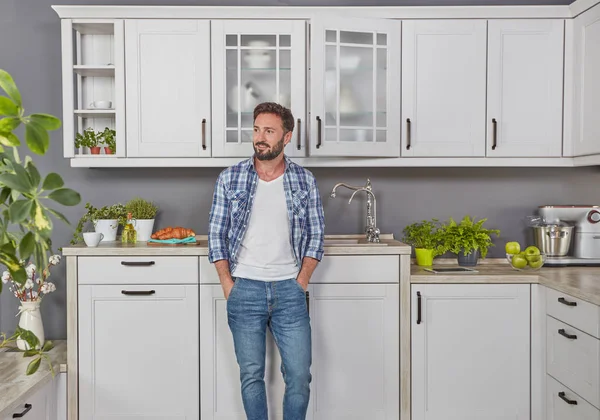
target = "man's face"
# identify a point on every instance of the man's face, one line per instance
(269, 138)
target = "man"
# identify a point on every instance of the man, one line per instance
(265, 239)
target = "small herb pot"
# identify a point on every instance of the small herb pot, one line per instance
(469, 260)
(424, 256)
(108, 151)
(95, 150)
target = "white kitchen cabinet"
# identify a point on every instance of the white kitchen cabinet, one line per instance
(355, 87)
(564, 404)
(138, 351)
(42, 405)
(356, 352)
(168, 88)
(470, 351)
(220, 392)
(443, 88)
(586, 95)
(525, 86)
(256, 61)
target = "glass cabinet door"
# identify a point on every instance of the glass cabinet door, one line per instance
(255, 62)
(355, 96)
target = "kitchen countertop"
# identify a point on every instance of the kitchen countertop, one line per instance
(16, 385)
(579, 282)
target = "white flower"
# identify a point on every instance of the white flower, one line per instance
(30, 270)
(29, 284)
(16, 294)
(54, 259)
(5, 277)
(22, 262)
(48, 287)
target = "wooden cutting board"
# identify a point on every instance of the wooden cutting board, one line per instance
(163, 244)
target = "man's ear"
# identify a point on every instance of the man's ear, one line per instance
(287, 137)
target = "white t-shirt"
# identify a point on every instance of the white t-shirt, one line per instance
(266, 252)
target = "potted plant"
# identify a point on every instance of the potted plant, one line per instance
(90, 139)
(108, 138)
(26, 225)
(143, 213)
(105, 219)
(427, 239)
(468, 239)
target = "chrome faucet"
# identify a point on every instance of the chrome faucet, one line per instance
(371, 229)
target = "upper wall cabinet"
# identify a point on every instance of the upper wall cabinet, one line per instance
(586, 98)
(443, 88)
(525, 85)
(255, 61)
(168, 88)
(355, 87)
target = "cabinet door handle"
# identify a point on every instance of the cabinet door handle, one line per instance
(203, 133)
(494, 133)
(299, 145)
(562, 396)
(22, 413)
(138, 292)
(566, 302)
(569, 336)
(408, 132)
(318, 132)
(137, 263)
(418, 307)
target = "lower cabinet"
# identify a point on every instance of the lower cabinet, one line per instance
(44, 404)
(138, 352)
(564, 404)
(355, 370)
(470, 346)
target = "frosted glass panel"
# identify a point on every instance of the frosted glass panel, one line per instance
(285, 40)
(331, 84)
(331, 36)
(381, 39)
(382, 87)
(231, 40)
(356, 135)
(232, 136)
(356, 90)
(247, 136)
(365, 38)
(331, 134)
(258, 41)
(258, 59)
(285, 79)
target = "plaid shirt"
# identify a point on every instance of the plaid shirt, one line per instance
(233, 197)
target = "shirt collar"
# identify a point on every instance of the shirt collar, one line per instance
(287, 161)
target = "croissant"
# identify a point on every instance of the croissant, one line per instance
(177, 232)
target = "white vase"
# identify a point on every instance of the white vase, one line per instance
(31, 319)
(143, 228)
(108, 227)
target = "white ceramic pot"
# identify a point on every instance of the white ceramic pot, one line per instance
(31, 319)
(143, 228)
(108, 227)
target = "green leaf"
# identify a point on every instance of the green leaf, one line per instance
(37, 138)
(48, 345)
(49, 122)
(19, 210)
(34, 366)
(40, 220)
(23, 175)
(4, 194)
(15, 183)
(34, 175)
(59, 216)
(8, 85)
(8, 124)
(65, 196)
(31, 352)
(52, 181)
(8, 107)
(9, 139)
(30, 338)
(27, 245)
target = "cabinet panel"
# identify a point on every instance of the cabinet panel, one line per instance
(525, 85)
(168, 88)
(443, 88)
(578, 313)
(564, 404)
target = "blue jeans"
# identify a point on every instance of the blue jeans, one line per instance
(252, 306)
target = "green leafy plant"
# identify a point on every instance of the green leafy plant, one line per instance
(90, 138)
(108, 138)
(92, 214)
(141, 209)
(38, 354)
(24, 194)
(427, 234)
(468, 236)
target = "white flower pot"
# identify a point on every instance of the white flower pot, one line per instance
(31, 319)
(143, 228)
(108, 227)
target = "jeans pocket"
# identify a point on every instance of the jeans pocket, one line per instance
(236, 282)
(299, 286)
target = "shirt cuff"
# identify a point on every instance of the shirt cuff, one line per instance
(314, 253)
(218, 254)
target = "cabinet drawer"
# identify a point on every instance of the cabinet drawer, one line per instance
(573, 361)
(336, 269)
(562, 403)
(137, 270)
(576, 312)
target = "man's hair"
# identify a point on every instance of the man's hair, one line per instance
(282, 112)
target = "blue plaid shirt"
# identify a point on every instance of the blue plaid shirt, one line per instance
(233, 197)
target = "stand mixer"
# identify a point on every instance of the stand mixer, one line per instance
(581, 246)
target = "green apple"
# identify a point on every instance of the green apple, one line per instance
(519, 261)
(512, 248)
(532, 250)
(535, 261)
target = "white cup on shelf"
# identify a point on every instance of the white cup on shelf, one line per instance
(92, 238)
(101, 104)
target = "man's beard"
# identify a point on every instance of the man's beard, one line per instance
(269, 154)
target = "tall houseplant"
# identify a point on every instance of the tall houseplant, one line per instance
(468, 239)
(427, 239)
(24, 195)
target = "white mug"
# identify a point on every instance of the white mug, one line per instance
(92, 238)
(101, 104)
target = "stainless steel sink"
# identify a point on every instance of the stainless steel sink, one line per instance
(351, 242)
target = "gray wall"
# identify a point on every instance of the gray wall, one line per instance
(30, 51)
